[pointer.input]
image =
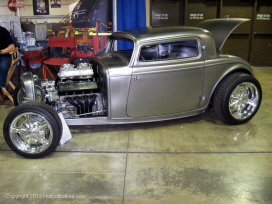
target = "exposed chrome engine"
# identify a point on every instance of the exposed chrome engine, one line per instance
(75, 93)
(69, 71)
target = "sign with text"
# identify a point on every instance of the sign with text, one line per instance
(162, 16)
(264, 17)
(196, 16)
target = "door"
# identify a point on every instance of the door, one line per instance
(168, 79)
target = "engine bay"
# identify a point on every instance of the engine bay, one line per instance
(75, 93)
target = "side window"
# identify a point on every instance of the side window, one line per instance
(168, 51)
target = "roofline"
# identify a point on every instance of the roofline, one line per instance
(149, 33)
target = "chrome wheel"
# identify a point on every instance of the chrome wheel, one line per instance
(237, 98)
(33, 129)
(31, 133)
(243, 101)
(19, 95)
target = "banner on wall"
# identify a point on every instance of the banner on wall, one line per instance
(40, 7)
(93, 14)
(55, 3)
(94, 19)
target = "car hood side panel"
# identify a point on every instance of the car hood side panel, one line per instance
(114, 70)
(115, 63)
(221, 28)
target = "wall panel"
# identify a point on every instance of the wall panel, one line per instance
(251, 41)
(199, 10)
(261, 43)
(167, 12)
(239, 42)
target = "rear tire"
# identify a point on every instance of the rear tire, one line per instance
(237, 98)
(33, 130)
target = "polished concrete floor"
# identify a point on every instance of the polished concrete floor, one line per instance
(193, 160)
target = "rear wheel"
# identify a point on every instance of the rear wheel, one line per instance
(33, 130)
(237, 98)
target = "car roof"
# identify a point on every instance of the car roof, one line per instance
(154, 33)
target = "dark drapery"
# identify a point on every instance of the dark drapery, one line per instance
(130, 14)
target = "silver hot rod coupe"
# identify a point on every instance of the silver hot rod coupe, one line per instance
(146, 74)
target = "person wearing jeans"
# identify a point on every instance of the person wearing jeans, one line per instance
(6, 46)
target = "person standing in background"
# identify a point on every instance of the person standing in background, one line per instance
(6, 46)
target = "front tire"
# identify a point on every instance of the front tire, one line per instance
(18, 96)
(237, 98)
(33, 130)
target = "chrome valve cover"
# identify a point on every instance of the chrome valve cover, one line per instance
(70, 71)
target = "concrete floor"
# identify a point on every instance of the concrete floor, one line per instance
(192, 160)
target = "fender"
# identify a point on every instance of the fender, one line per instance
(27, 84)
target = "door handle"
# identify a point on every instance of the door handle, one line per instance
(136, 78)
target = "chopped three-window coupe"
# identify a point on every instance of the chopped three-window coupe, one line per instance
(146, 74)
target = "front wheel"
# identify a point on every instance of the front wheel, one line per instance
(237, 98)
(19, 95)
(33, 130)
